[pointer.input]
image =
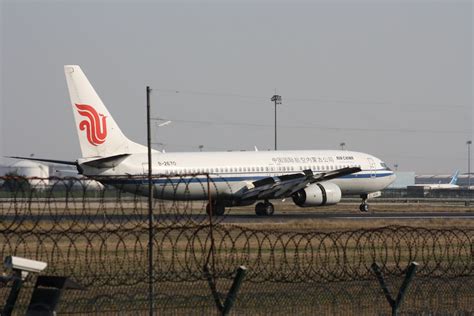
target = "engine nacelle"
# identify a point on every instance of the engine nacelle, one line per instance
(318, 194)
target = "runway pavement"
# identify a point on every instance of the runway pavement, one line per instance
(248, 217)
(241, 218)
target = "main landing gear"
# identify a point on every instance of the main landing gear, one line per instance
(364, 207)
(218, 208)
(264, 208)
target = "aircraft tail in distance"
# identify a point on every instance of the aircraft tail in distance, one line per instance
(99, 135)
(454, 179)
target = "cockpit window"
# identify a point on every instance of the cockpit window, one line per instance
(384, 166)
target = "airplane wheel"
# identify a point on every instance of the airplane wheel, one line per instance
(208, 209)
(260, 209)
(269, 209)
(364, 207)
(218, 209)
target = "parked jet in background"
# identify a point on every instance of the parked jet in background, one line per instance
(309, 177)
(451, 185)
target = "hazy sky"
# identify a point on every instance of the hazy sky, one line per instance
(390, 78)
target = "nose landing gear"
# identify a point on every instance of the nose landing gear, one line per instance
(364, 207)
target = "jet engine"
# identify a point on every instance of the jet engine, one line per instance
(318, 194)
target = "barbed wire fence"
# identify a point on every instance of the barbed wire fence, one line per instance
(97, 234)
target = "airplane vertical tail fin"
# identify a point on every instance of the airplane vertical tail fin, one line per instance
(454, 179)
(99, 134)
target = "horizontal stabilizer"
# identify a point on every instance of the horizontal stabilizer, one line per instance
(106, 162)
(59, 162)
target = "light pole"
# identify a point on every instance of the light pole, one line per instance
(342, 145)
(277, 100)
(468, 143)
(151, 295)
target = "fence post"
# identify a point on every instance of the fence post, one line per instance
(233, 291)
(212, 286)
(14, 292)
(395, 303)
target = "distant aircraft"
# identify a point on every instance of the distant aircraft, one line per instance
(451, 185)
(309, 177)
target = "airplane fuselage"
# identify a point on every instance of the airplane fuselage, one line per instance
(230, 171)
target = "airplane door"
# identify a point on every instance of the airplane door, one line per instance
(372, 167)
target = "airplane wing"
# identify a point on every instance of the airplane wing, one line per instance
(285, 185)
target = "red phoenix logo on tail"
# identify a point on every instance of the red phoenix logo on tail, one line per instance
(95, 124)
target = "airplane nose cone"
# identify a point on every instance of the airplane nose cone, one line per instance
(392, 178)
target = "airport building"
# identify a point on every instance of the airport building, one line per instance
(28, 169)
(40, 174)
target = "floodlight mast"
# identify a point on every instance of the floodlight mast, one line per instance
(468, 143)
(277, 100)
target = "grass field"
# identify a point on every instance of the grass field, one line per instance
(316, 266)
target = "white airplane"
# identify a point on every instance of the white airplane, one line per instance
(309, 177)
(451, 185)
